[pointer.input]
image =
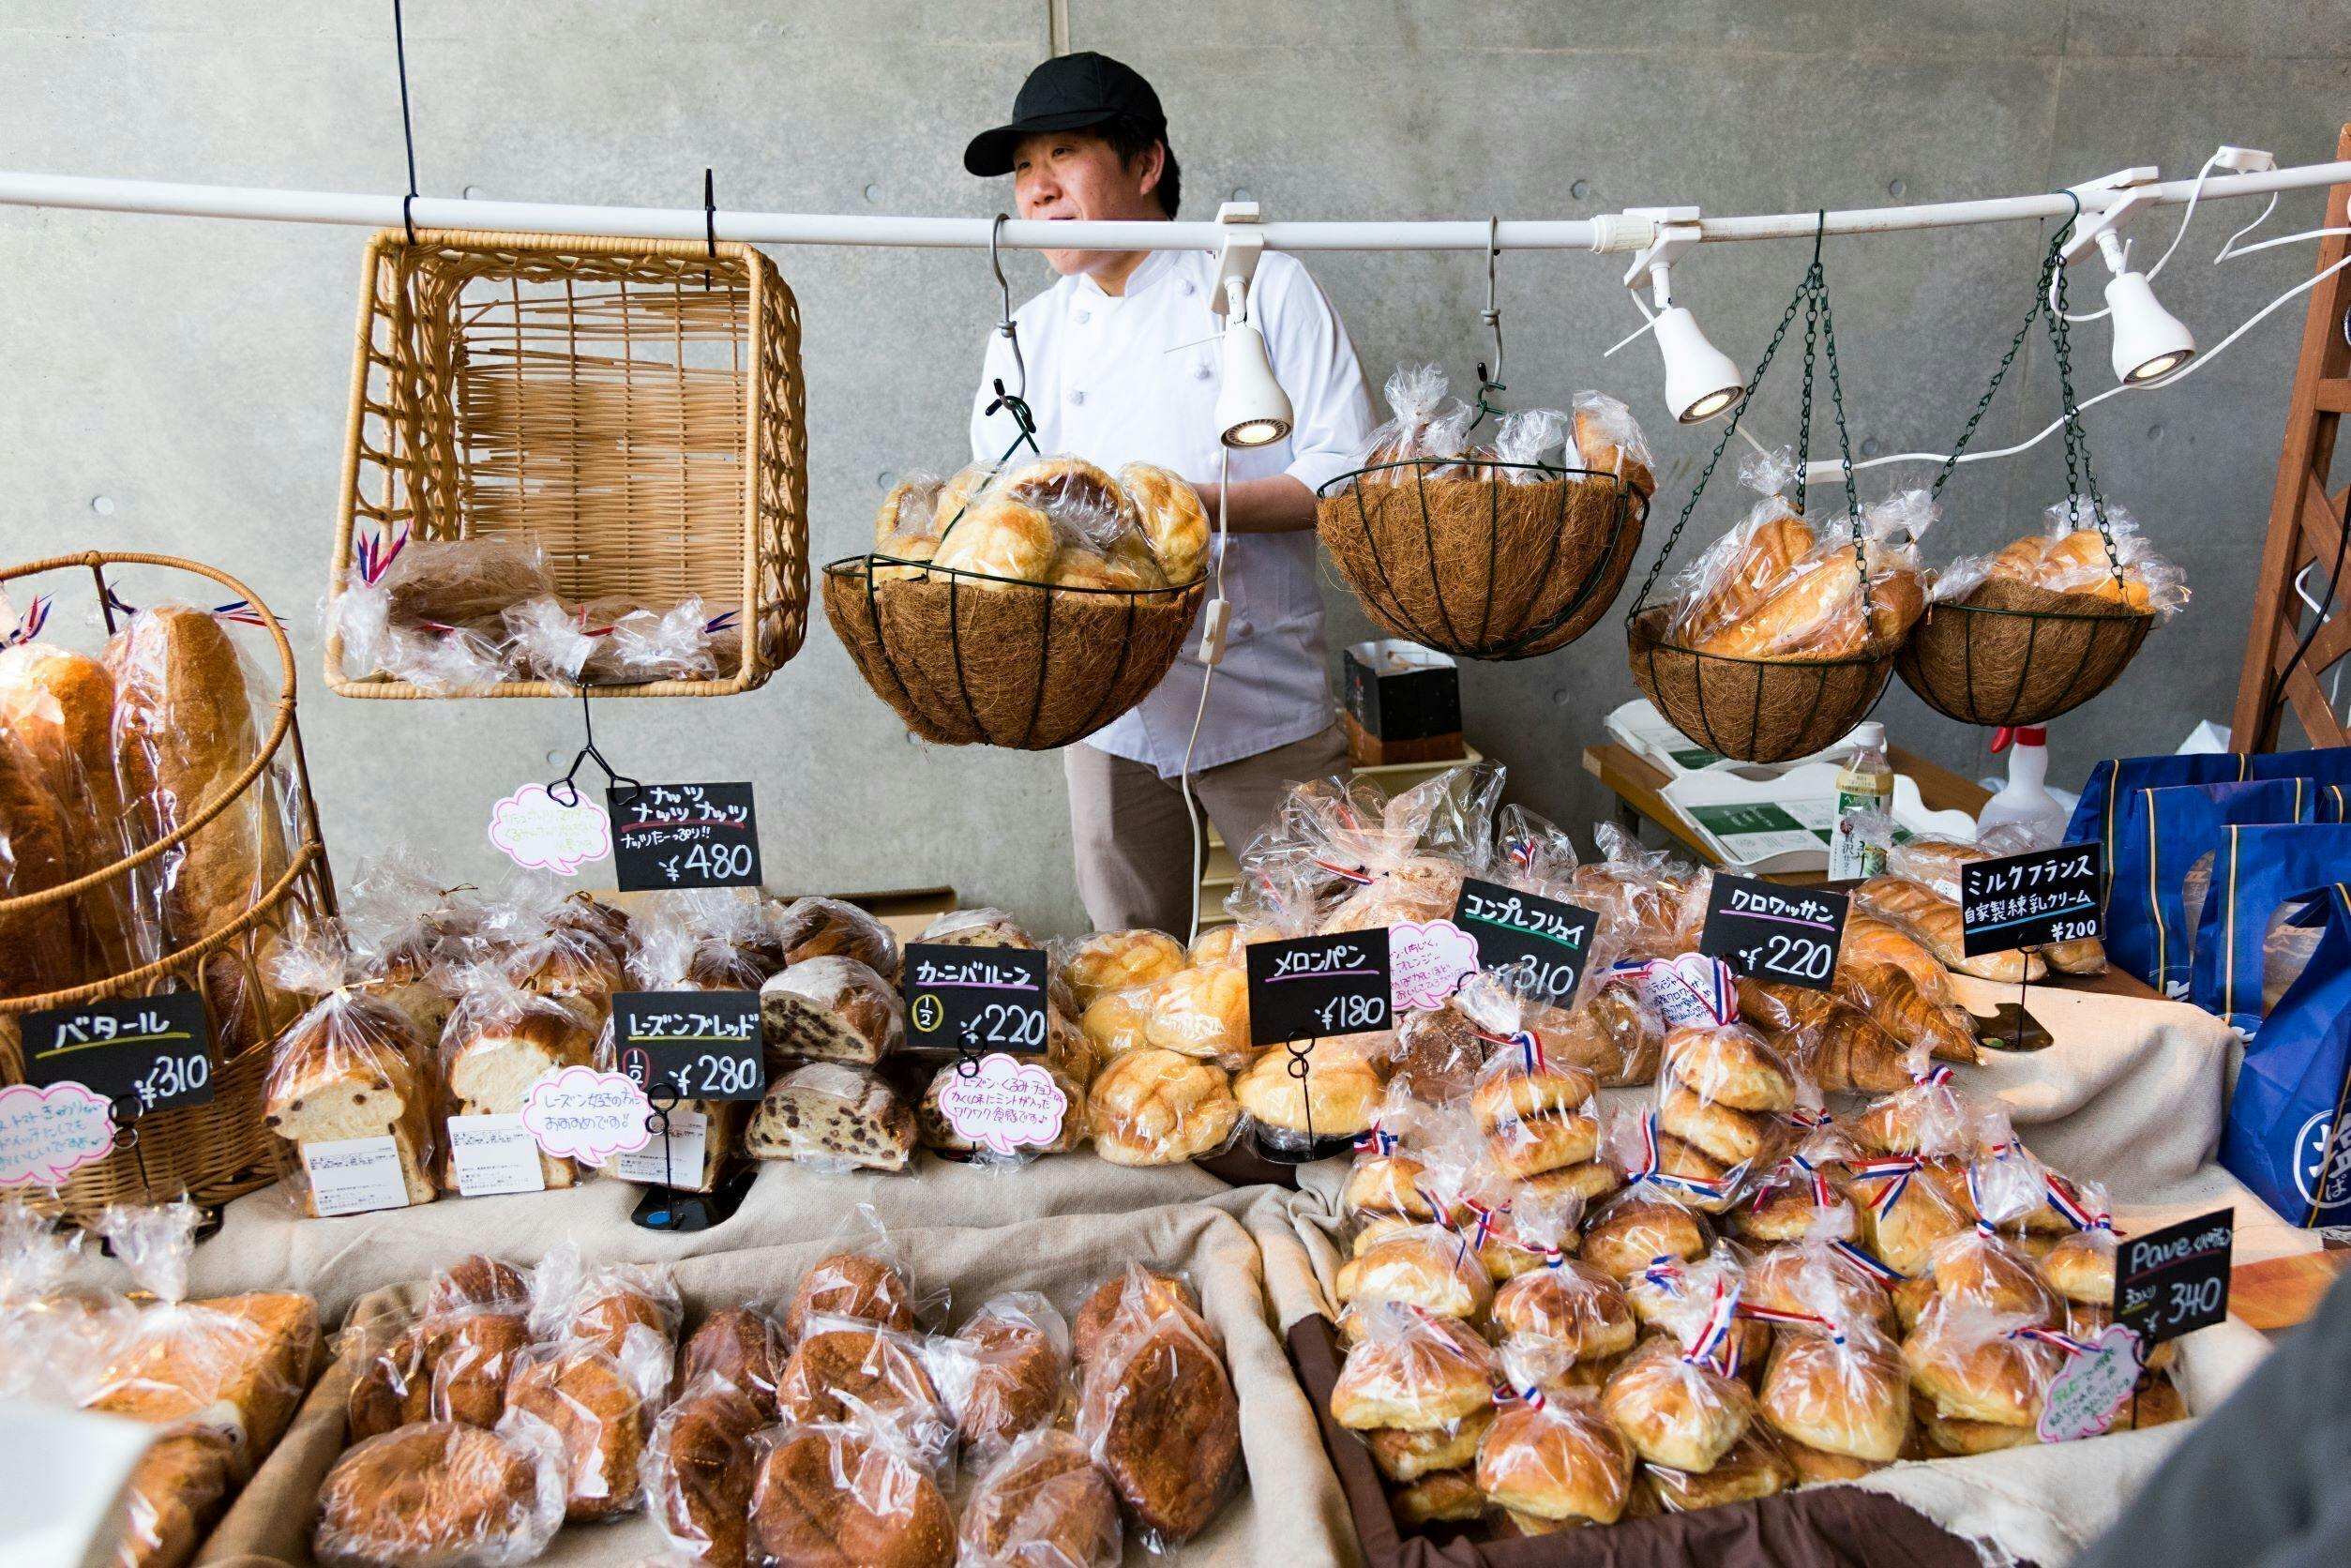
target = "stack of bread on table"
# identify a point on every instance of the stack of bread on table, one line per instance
(218, 1380)
(102, 755)
(840, 1425)
(1056, 521)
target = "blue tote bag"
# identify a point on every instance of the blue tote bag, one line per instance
(2280, 1137)
(2255, 872)
(2162, 834)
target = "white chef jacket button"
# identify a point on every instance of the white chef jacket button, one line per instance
(1076, 398)
(1084, 316)
(1188, 288)
(1201, 371)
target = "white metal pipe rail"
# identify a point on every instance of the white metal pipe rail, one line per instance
(1608, 232)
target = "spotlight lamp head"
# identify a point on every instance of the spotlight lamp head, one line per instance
(2149, 342)
(1252, 410)
(1701, 380)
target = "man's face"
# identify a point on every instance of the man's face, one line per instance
(1076, 174)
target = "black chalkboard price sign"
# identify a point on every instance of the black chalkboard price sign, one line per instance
(1312, 986)
(1771, 932)
(157, 1049)
(2030, 900)
(2174, 1280)
(1546, 941)
(974, 999)
(698, 1044)
(683, 836)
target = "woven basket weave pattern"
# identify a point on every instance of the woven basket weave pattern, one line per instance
(1753, 710)
(636, 407)
(2013, 653)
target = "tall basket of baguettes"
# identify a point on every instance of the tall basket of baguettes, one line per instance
(1499, 550)
(1025, 604)
(570, 463)
(161, 836)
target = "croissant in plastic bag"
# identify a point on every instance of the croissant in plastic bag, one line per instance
(1814, 609)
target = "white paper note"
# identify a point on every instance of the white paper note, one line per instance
(355, 1175)
(493, 1155)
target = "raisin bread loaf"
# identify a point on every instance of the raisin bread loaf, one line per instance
(493, 1057)
(827, 1114)
(831, 1008)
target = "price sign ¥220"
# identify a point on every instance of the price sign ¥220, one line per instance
(157, 1049)
(697, 1044)
(974, 999)
(1547, 943)
(2030, 900)
(1771, 932)
(2174, 1280)
(684, 836)
(1313, 987)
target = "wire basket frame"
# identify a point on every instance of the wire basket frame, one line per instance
(968, 658)
(634, 406)
(2021, 664)
(217, 1151)
(1532, 566)
(1755, 710)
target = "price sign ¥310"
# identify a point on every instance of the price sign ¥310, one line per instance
(2030, 900)
(1547, 943)
(1771, 932)
(697, 1044)
(683, 836)
(974, 999)
(2174, 1280)
(157, 1049)
(1313, 987)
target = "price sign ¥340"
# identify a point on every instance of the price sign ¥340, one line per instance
(684, 836)
(1771, 932)
(2030, 900)
(2174, 1280)
(1313, 987)
(157, 1049)
(974, 999)
(697, 1044)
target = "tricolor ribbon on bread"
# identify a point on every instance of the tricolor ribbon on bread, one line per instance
(1895, 1170)
(374, 557)
(1801, 1168)
(1876, 1268)
(1524, 1041)
(1793, 1319)
(1651, 1169)
(1376, 1140)
(1692, 988)
(36, 617)
(1715, 1346)
(1531, 1395)
(2066, 1201)
(1355, 874)
(2065, 1342)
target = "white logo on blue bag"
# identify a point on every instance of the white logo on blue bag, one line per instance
(2322, 1174)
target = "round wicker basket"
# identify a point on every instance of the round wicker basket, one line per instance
(1486, 568)
(970, 659)
(216, 1151)
(1753, 710)
(2012, 653)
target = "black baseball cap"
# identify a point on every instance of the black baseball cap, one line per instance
(1069, 92)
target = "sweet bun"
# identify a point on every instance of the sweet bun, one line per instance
(803, 1517)
(1571, 1303)
(1676, 1414)
(1339, 1096)
(1795, 1280)
(2082, 1267)
(1112, 960)
(1441, 1497)
(477, 1281)
(1042, 1505)
(998, 537)
(1388, 1184)
(437, 1495)
(601, 1420)
(1423, 1267)
(1753, 1468)
(1851, 1399)
(1731, 1067)
(1202, 1012)
(1171, 517)
(911, 507)
(1408, 1453)
(744, 1345)
(1115, 1022)
(850, 1284)
(1512, 1093)
(1731, 1137)
(1549, 1141)
(1156, 1107)
(1559, 1460)
(1972, 1376)
(1636, 1229)
(1414, 1374)
(1590, 1181)
(1989, 1272)
(1904, 1234)
(880, 1371)
(1784, 1212)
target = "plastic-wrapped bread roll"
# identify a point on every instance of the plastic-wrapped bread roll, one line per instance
(1112, 960)
(1172, 519)
(910, 510)
(1816, 613)
(1674, 1406)
(1869, 940)
(1937, 925)
(700, 1464)
(1898, 1005)
(1041, 1504)
(440, 1493)
(1976, 1364)
(1411, 1372)
(831, 1008)
(1556, 1458)
(1609, 441)
(976, 927)
(500, 1040)
(59, 705)
(1000, 540)
(1339, 1097)
(1154, 1107)
(802, 1516)
(1424, 1267)
(814, 927)
(832, 1117)
(1159, 1413)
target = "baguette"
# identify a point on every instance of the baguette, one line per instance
(60, 705)
(36, 946)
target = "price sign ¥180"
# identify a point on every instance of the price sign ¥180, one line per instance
(155, 1049)
(684, 836)
(697, 1044)
(974, 999)
(1771, 932)
(1313, 987)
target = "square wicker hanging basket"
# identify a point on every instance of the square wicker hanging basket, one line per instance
(634, 407)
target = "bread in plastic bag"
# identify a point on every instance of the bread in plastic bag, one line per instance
(1338, 1096)
(1004, 1373)
(1425, 1266)
(1041, 1503)
(1972, 1362)
(842, 1369)
(1676, 1399)
(443, 1495)
(1653, 1216)
(1553, 1456)
(473, 1355)
(1425, 421)
(1935, 920)
(600, 1404)
(831, 1117)
(1536, 1115)
(55, 1338)
(1731, 577)
(601, 1304)
(1835, 1045)
(56, 712)
(428, 610)
(835, 1496)
(866, 1287)
(1935, 862)
(1609, 440)
(740, 1346)
(1813, 609)
(1135, 1291)
(1152, 1106)
(1835, 1383)
(831, 1008)
(1570, 1304)
(700, 1464)
(1108, 961)
(499, 1040)
(1411, 1371)
(38, 948)
(2071, 557)
(1173, 520)
(1158, 1413)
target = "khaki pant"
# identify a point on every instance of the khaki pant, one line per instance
(1134, 841)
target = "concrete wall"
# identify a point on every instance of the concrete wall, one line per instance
(178, 386)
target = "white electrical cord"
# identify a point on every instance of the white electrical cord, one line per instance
(1207, 678)
(2195, 194)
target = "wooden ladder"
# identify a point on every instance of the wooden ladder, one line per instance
(2306, 524)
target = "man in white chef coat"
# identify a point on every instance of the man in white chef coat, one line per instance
(1121, 360)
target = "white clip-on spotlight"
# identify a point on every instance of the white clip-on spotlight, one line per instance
(2149, 342)
(1700, 379)
(1252, 410)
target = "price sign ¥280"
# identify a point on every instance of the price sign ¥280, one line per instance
(1771, 932)
(974, 999)
(1313, 987)
(698, 1044)
(157, 1049)
(684, 836)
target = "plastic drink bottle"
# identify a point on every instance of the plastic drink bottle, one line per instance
(1865, 796)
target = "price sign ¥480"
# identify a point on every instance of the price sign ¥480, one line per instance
(1313, 987)
(684, 836)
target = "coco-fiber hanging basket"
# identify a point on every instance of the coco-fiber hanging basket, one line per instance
(217, 1151)
(2013, 653)
(1753, 710)
(633, 406)
(1482, 568)
(970, 659)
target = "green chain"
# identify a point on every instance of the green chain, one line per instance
(2077, 441)
(1819, 278)
(1011, 404)
(2015, 344)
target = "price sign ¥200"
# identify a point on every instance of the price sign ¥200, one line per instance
(1313, 987)
(155, 1050)
(1771, 932)
(697, 1044)
(2030, 900)
(684, 836)
(974, 999)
